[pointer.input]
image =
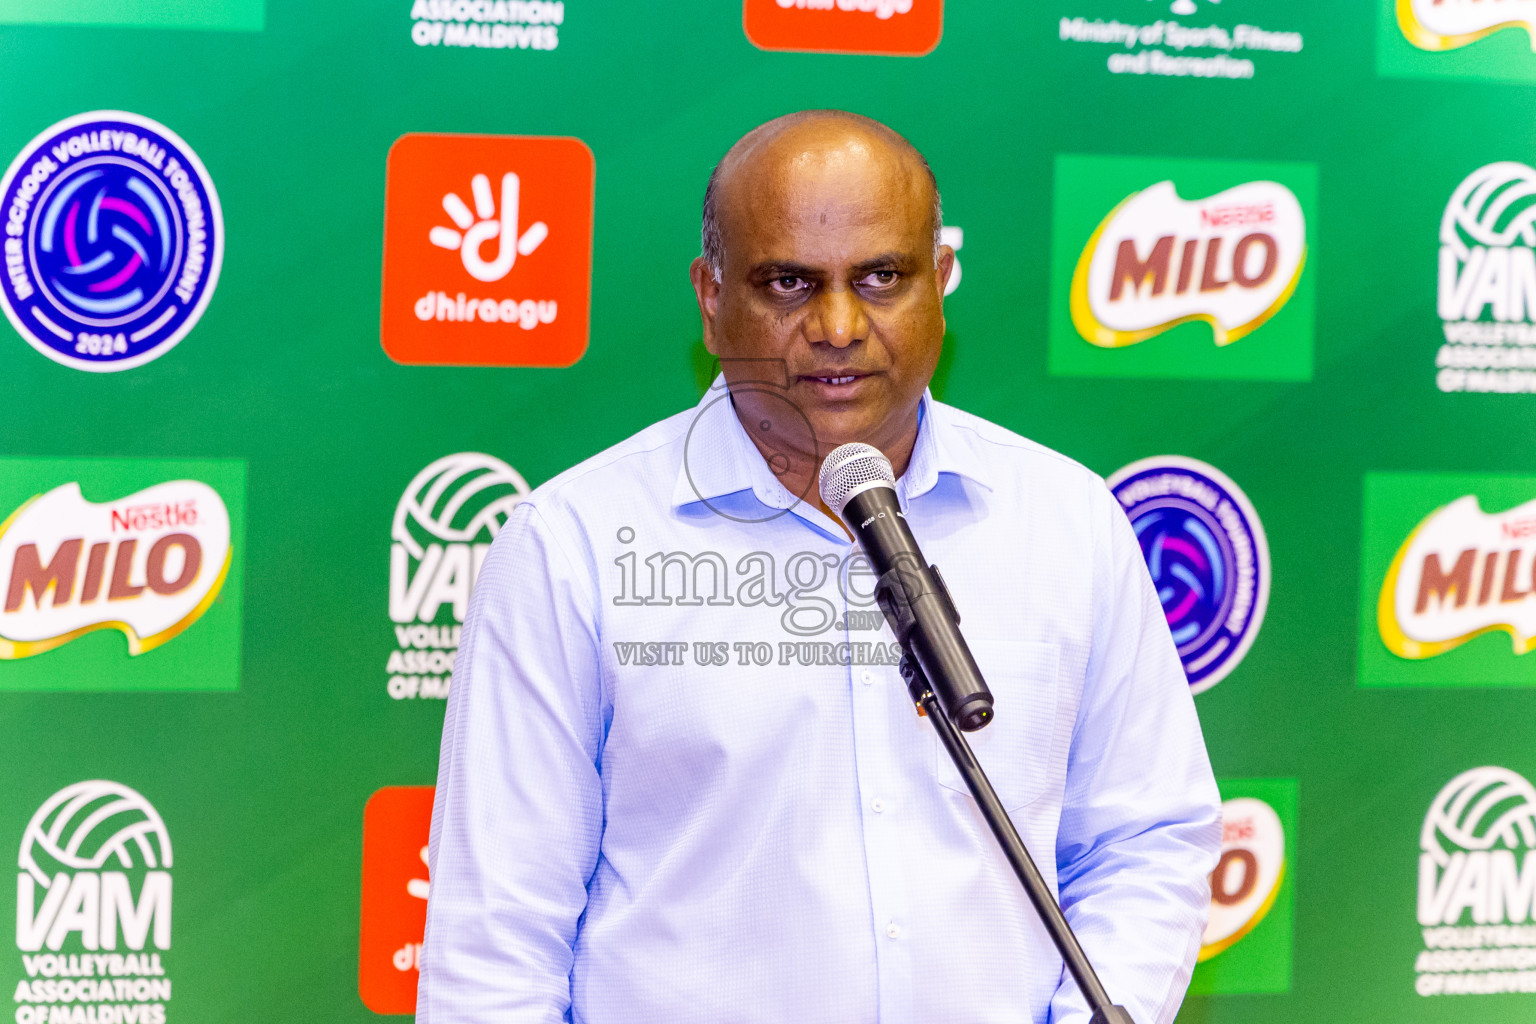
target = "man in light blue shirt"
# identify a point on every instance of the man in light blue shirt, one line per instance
(682, 780)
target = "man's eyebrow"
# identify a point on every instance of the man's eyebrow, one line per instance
(783, 268)
(885, 259)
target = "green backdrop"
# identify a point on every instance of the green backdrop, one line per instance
(283, 386)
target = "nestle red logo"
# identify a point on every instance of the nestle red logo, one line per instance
(1519, 527)
(1238, 831)
(1247, 213)
(138, 518)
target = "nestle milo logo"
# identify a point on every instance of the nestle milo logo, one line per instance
(111, 563)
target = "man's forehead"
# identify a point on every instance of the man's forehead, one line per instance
(819, 150)
(836, 176)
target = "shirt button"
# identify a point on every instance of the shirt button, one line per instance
(877, 806)
(868, 677)
(893, 930)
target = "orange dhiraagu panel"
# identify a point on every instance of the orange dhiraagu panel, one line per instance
(908, 28)
(395, 885)
(487, 250)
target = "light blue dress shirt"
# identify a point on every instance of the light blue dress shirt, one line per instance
(628, 831)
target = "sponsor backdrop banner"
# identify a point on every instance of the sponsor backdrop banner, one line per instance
(302, 299)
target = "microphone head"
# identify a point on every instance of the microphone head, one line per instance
(850, 469)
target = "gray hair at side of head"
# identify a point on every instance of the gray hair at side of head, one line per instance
(713, 245)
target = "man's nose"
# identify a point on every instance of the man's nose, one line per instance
(837, 318)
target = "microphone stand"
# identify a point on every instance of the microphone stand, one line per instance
(1104, 1012)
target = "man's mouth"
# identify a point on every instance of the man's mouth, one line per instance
(849, 379)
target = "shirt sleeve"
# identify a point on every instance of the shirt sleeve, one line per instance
(518, 816)
(1141, 816)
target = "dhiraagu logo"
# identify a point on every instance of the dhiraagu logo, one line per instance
(1182, 269)
(1448, 594)
(120, 574)
(1491, 40)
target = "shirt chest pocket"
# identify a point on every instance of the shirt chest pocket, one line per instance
(1015, 748)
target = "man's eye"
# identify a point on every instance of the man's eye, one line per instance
(880, 279)
(788, 284)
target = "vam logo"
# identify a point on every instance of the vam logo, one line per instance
(1208, 556)
(1156, 261)
(500, 279)
(1476, 869)
(1451, 24)
(1487, 286)
(93, 908)
(113, 241)
(893, 27)
(149, 564)
(443, 528)
(1176, 268)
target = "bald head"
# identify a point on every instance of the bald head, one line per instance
(810, 142)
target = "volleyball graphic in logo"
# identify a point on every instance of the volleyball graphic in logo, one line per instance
(1206, 551)
(113, 241)
(1479, 810)
(1495, 205)
(460, 498)
(1247, 878)
(93, 825)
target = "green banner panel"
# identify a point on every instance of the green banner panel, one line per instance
(301, 299)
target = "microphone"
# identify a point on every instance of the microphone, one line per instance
(858, 484)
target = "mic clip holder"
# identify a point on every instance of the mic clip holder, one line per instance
(898, 591)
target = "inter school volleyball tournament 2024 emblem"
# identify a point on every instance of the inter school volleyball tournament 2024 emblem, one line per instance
(443, 527)
(1451, 24)
(1247, 878)
(1477, 886)
(113, 241)
(1156, 261)
(93, 912)
(1206, 551)
(148, 564)
(1462, 572)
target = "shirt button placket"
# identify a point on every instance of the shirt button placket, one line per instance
(883, 840)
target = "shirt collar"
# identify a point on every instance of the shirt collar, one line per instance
(719, 459)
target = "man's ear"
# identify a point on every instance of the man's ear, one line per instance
(707, 290)
(946, 266)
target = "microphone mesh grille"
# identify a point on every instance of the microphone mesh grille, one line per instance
(850, 466)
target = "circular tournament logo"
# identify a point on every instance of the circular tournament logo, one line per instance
(113, 240)
(1206, 551)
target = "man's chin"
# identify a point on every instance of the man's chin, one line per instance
(843, 426)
